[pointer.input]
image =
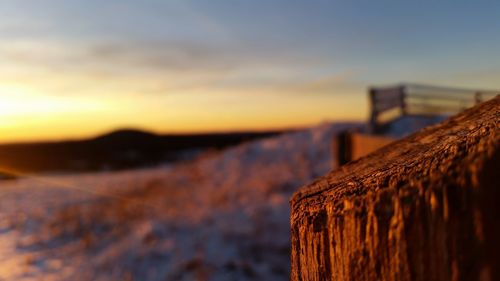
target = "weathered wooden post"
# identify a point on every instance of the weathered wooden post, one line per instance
(425, 208)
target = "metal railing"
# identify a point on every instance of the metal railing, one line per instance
(417, 99)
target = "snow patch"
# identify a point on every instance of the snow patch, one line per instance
(224, 216)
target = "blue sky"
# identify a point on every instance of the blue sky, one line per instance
(223, 65)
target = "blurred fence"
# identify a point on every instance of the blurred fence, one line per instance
(389, 103)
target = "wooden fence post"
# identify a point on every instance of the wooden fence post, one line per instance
(425, 208)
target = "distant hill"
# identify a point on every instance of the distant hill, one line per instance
(120, 149)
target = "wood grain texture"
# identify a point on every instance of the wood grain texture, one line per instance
(423, 208)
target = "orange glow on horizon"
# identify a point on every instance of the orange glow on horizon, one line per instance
(43, 103)
(29, 116)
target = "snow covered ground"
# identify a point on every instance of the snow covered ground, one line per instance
(224, 216)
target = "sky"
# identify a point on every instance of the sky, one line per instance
(72, 69)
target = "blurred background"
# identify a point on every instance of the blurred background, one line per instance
(161, 140)
(72, 69)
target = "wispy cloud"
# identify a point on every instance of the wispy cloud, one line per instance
(169, 65)
(331, 84)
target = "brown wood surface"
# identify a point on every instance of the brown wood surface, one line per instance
(425, 208)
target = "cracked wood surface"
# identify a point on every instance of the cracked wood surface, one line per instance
(423, 208)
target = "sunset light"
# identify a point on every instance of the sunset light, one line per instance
(186, 66)
(273, 140)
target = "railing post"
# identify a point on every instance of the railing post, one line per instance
(404, 106)
(374, 112)
(478, 97)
